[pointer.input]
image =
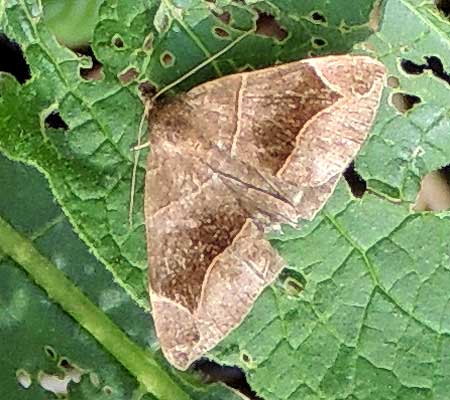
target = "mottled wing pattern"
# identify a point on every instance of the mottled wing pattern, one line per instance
(231, 159)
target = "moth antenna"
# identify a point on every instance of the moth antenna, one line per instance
(202, 65)
(137, 149)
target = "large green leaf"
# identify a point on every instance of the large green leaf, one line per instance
(371, 320)
(38, 339)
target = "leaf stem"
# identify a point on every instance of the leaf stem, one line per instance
(61, 290)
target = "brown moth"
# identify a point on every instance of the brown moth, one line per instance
(230, 160)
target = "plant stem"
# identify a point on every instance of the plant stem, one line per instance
(61, 290)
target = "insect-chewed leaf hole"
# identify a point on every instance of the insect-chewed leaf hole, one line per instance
(225, 16)
(221, 33)
(246, 358)
(357, 184)
(148, 42)
(13, 60)
(58, 383)
(55, 121)
(318, 18)
(319, 42)
(403, 102)
(267, 25)
(432, 63)
(411, 68)
(94, 71)
(443, 6)
(211, 372)
(65, 363)
(53, 383)
(393, 82)
(107, 390)
(23, 378)
(293, 282)
(117, 41)
(127, 76)
(50, 352)
(146, 89)
(167, 59)
(434, 193)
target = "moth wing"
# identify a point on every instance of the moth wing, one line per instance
(331, 139)
(204, 254)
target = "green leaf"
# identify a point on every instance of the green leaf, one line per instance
(47, 275)
(371, 320)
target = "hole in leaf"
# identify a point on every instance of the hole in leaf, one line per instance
(319, 42)
(293, 281)
(50, 352)
(128, 76)
(225, 16)
(357, 184)
(443, 6)
(64, 363)
(71, 371)
(12, 60)
(234, 377)
(148, 42)
(292, 287)
(403, 102)
(246, 358)
(412, 68)
(147, 90)
(167, 59)
(54, 120)
(24, 378)
(93, 73)
(393, 82)
(222, 33)
(318, 17)
(434, 193)
(53, 383)
(107, 390)
(433, 64)
(267, 25)
(117, 41)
